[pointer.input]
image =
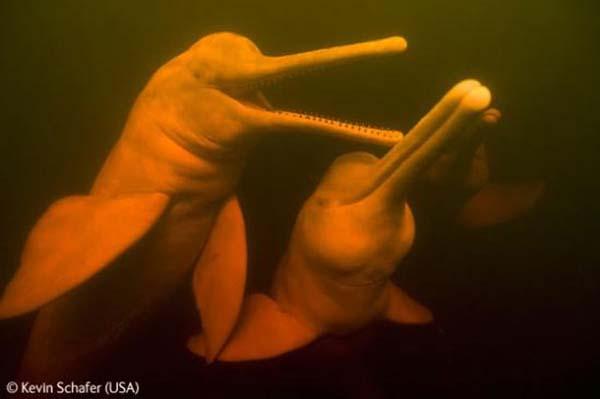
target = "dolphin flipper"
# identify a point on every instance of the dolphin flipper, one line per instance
(220, 277)
(403, 309)
(264, 331)
(77, 237)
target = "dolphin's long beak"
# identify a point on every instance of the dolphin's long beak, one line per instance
(453, 116)
(272, 68)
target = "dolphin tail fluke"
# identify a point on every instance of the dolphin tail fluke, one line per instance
(77, 237)
(264, 331)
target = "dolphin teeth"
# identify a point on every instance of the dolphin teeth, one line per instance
(361, 127)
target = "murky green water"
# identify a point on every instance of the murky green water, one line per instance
(70, 71)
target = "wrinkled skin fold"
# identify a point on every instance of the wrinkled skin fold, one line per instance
(350, 236)
(164, 203)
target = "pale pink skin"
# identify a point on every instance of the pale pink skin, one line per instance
(186, 138)
(348, 239)
(357, 227)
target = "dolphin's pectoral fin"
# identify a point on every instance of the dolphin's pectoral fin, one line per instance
(76, 238)
(263, 331)
(220, 277)
(403, 309)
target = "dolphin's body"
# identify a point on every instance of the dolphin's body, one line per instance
(163, 203)
(348, 239)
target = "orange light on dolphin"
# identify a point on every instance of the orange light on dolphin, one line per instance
(168, 187)
(348, 239)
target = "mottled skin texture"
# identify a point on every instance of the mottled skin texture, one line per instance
(153, 206)
(350, 236)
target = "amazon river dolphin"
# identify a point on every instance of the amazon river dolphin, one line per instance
(348, 239)
(163, 203)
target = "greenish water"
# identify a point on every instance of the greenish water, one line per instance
(70, 71)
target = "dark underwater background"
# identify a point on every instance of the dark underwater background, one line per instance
(517, 303)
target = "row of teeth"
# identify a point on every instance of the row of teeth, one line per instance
(258, 84)
(376, 130)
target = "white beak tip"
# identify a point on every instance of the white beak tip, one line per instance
(397, 44)
(478, 99)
